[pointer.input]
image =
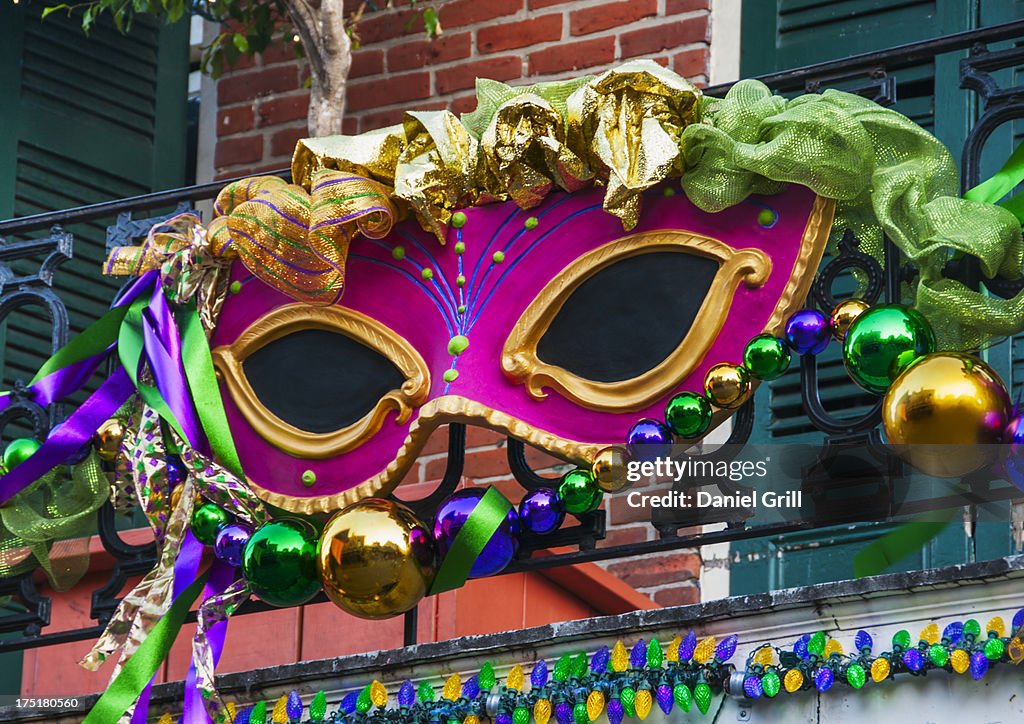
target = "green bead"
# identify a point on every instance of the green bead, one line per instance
(460, 248)
(462, 309)
(766, 217)
(771, 684)
(578, 666)
(628, 698)
(882, 342)
(579, 713)
(654, 654)
(398, 253)
(309, 478)
(425, 691)
(457, 345)
(688, 414)
(460, 280)
(235, 287)
(855, 676)
(668, 191)
(766, 357)
(684, 699)
(486, 677)
(207, 520)
(702, 695)
(994, 649)
(458, 219)
(938, 654)
(561, 670)
(363, 701)
(427, 274)
(901, 639)
(279, 562)
(816, 644)
(258, 714)
(450, 375)
(531, 223)
(498, 257)
(521, 715)
(18, 451)
(318, 707)
(972, 628)
(579, 491)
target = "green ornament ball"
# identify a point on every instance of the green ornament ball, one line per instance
(938, 654)
(766, 357)
(579, 491)
(771, 684)
(855, 676)
(458, 219)
(18, 451)
(207, 520)
(688, 414)
(279, 562)
(882, 342)
(994, 649)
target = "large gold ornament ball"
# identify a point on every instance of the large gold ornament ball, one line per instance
(845, 314)
(108, 439)
(609, 469)
(376, 559)
(946, 412)
(727, 386)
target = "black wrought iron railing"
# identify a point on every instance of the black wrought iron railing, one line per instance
(875, 75)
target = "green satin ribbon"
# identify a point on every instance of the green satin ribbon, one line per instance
(93, 340)
(879, 555)
(1003, 182)
(478, 529)
(137, 673)
(202, 382)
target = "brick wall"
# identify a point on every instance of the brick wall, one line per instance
(262, 103)
(262, 109)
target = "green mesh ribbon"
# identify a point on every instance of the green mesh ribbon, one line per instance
(888, 175)
(49, 523)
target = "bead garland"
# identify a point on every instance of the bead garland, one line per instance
(686, 674)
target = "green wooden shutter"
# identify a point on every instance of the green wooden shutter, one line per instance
(793, 33)
(84, 119)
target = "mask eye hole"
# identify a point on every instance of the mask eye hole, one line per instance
(626, 322)
(318, 381)
(627, 317)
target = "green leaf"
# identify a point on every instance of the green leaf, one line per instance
(431, 22)
(240, 42)
(54, 8)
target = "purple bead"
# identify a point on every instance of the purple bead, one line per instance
(293, 708)
(823, 679)
(615, 712)
(500, 549)
(979, 665)
(726, 648)
(539, 675)
(563, 712)
(753, 687)
(348, 703)
(242, 717)
(176, 472)
(230, 543)
(638, 654)
(1018, 620)
(503, 718)
(541, 511)
(599, 663)
(800, 647)
(808, 332)
(407, 694)
(954, 631)
(649, 439)
(471, 689)
(913, 659)
(664, 698)
(687, 646)
(863, 641)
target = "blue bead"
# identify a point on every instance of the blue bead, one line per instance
(541, 511)
(863, 641)
(808, 332)
(649, 439)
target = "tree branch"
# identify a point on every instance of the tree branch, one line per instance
(304, 16)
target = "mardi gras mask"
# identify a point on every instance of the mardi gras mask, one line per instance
(551, 325)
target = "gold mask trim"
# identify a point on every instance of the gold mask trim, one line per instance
(519, 358)
(291, 318)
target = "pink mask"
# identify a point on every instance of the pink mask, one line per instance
(551, 325)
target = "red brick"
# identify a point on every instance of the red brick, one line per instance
(463, 104)
(678, 596)
(366, 62)
(535, 4)
(234, 120)
(350, 125)
(393, 90)
(418, 53)
(481, 436)
(281, 52)
(275, 111)
(437, 442)
(520, 34)
(610, 15)
(648, 41)
(390, 24)
(691, 63)
(661, 60)
(464, 12)
(572, 56)
(486, 463)
(245, 87)
(621, 512)
(626, 535)
(675, 7)
(241, 149)
(243, 62)
(380, 119)
(464, 76)
(262, 169)
(657, 571)
(283, 142)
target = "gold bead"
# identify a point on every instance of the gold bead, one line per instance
(1015, 650)
(727, 386)
(609, 469)
(279, 715)
(620, 657)
(879, 669)
(793, 680)
(997, 624)
(844, 314)
(378, 694)
(672, 654)
(833, 647)
(595, 705)
(108, 439)
(542, 711)
(765, 656)
(930, 633)
(946, 413)
(452, 688)
(515, 678)
(643, 703)
(705, 650)
(960, 660)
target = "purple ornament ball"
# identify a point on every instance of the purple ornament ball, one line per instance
(1013, 435)
(500, 549)
(230, 543)
(808, 332)
(541, 511)
(649, 439)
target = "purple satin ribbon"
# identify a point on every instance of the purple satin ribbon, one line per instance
(222, 575)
